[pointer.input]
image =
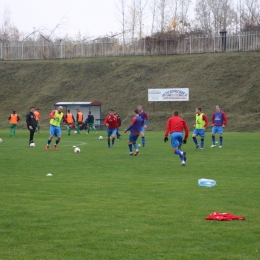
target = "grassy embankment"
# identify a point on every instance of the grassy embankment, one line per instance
(231, 80)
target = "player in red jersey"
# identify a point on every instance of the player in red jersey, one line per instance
(111, 122)
(175, 127)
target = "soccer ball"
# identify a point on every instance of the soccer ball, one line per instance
(75, 132)
(76, 150)
(100, 138)
(1, 140)
(32, 144)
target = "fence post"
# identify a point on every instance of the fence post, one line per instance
(239, 41)
(82, 49)
(1, 51)
(22, 50)
(166, 50)
(61, 49)
(214, 44)
(94, 54)
(144, 46)
(42, 49)
(190, 43)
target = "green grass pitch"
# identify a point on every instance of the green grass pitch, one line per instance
(104, 204)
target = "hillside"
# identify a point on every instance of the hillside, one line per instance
(231, 80)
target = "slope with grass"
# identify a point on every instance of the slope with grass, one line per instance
(231, 80)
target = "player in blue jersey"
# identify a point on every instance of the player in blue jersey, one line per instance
(219, 121)
(145, 121)
(135, 129)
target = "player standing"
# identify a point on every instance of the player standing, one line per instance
(145, 121)
(31, 124)
(175, 126)
(219, 121)
(200, 126)
(79, 120)
(111, 123)
(90, 122)
(135, 129)
(56, 117)
(13, 121)
(38, 117)
(70, 118)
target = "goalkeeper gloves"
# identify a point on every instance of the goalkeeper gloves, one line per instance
(184, 141)
(165, 139)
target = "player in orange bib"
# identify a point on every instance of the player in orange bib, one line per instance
(38, 117)
(79, 120)
(13, 120)
(70, 118)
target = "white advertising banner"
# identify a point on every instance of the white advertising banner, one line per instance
(168, 94)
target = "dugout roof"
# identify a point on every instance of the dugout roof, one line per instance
(81, 104)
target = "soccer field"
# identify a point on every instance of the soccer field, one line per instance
(104, 204)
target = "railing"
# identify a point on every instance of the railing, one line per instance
(115, 47)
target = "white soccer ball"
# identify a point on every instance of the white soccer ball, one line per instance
(32, 145)
(76, 150)
(100, 138)
(75, 132)
(1, 140)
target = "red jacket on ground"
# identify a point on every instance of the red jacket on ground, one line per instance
(223, 216)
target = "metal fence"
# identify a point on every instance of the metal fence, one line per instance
(31, 50)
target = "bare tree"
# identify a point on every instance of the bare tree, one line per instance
(215, 8)
(153, 8)
(203, 15)
(174, 17)
(216, 15)
(162, 5)
(121, 7)
(250, 13)
(141, 5)
(184, 5)
(8, 31)
(132, 17)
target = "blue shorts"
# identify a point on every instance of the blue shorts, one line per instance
(132, 138)
(142, 129)
(176, 139)
(55, 130)
(199, 132)
(111, 131)
(217, 130)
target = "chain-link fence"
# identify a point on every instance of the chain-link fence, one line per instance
(30, 50)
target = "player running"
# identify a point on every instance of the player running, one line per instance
(56, 117)
(135, 129)
(175, 126)
(111, 122)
